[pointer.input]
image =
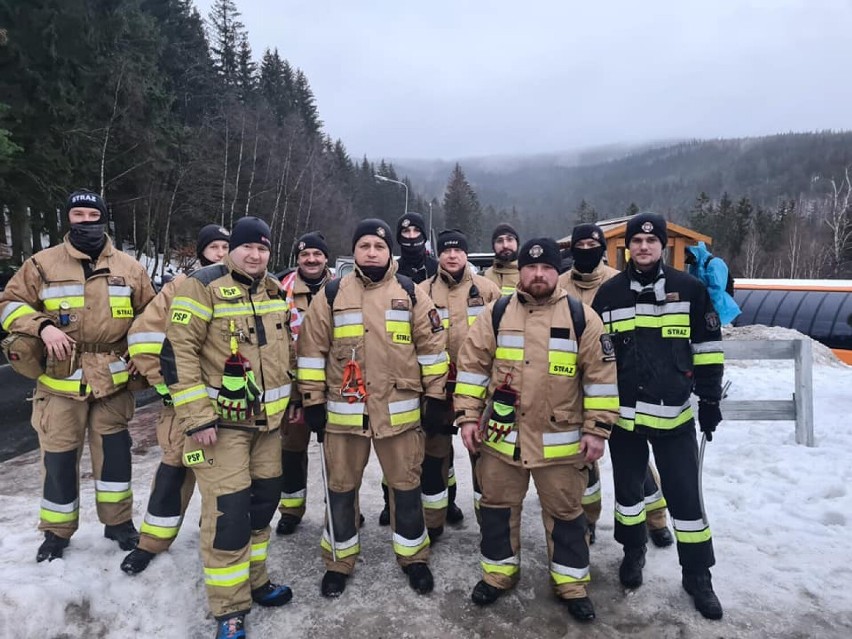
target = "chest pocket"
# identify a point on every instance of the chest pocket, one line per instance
(60, 299)
(231, 313)
(120, 298)
(398, 326)
(561, 353)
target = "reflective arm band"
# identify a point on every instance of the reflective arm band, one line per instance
(13, 311)
(191, 394)
(190, 305)
(434, 364)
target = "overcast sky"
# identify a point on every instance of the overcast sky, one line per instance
(459, 78)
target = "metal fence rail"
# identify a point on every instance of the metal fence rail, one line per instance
(799, 409)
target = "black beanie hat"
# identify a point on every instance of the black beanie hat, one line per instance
(588, 232)
(452, 238)
(647, 223)
(250, 230)
(208, 234)
(312, 240)
(373, 226)
(87, 199)
(504, 229)
(540, 250)
(410, 219)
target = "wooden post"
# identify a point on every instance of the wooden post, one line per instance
(803, 394)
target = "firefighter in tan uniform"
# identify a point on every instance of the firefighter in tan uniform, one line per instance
(81, 297)
(460, 296)
(504, 271)
(368, 349)
(583, 280)
(226, 360)
(548, 375)
(300, 286)
(173, 483)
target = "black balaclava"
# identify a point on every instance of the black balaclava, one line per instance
(412, 250)
(586, 260)
(88, 237)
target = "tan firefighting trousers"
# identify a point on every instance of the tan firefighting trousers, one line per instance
(171, 489)
(240, 480)
(401, 457)
(294, 465)
(560, 491)
(61, 424)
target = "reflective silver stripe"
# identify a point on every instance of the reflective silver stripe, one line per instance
(430, 499)
(444, 313)
(11, 307)
(60, 508)
(474, 310)
(232, 574)
(212, 393)
(660, 410)
(708, 347)
(117, 367)
(311, 362)
(600, 390)
(429, 360)
(273, 394)
(299, 494)
(409, 543)
(68, 290)
(398, 316)
(627, 412)
(689, 525)
(510, 341)
(477, 497)
(619, 314)
(340, 545)
(112, 486)
(650, 499)
(347, 319)
(662, 309)
(474, 379)
(514, 560)
(145, 338)
(568, 571)
(593, 489)
(559, 344)
(630, 511)
(261, 551)
(512, 437)
(119, 291)
(404, 405)
(75, 376)
(555, 439)
(345, 408)
(162, 522)
(193, 307)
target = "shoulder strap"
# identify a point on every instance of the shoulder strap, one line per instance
(578, 316)
(331, 289)
(408, 284)
(498, 311)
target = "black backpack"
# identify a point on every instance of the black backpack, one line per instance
(575, 307)
(729, 285)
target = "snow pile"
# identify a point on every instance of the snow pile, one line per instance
(822, 354)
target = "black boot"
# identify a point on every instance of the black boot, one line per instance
(581, 609)
(137, 561)
(271, 594)
(419, 578)
(591, 529)
(630, 571)
(700, 587)
(361, 520)
(125, 534)
(52, 547)
(454, 514)
(333, 584)
(287, 525)
(661, 537)
(384, 516)
(484, 594)
(434, 533)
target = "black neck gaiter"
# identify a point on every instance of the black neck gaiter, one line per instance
(88, 238)
(586, 260)
(375, 273)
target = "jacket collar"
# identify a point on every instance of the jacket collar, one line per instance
(106, 251)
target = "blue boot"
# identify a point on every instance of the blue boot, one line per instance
(231, 628)
(272, 594)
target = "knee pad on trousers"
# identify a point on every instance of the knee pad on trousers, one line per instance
(265, 494)
(496, 532)
(233, 526)
(343, 513)
(60, 479)
(116, 449)
(432, 480)
(165, 500)
(295, 468)
(569, 542)
(409, 512)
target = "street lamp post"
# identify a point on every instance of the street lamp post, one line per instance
(382, 178)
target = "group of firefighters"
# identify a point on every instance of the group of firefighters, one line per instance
(535, 370)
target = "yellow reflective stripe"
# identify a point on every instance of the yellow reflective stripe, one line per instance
(64, 385)
(191, 394)
(342, 419)
(601, 403)
(276, 406)
(259, 551)
(13, 311)
(232, 310)
(509, 569)
(651, 321)
(73, 302)
(471, 390)
(112, 497)
(564, 450)
(700, 359)
(507, 290)
(227, 577)
(310, 375)
(435, 369)
(630, 515)
(296, 502)
(405, 418)
(693, 537)
(405, 547)
(150, 348)
(663, 423)
(568, 575)
(393, 326)
(621, 326)
(270, 306)
(120, 302)
(503, 447)
(160, 532)
(511, 354)
(349, 330)
(54, 517)
(190, 305)
(340, 552)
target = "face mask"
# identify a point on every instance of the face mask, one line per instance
(413, 249)
(375, 273)
(587, 260)
(88, 237)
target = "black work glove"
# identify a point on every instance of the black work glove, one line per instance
(433, 415)
(315, 417)
(709, 416)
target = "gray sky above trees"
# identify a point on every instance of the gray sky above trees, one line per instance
(459, 78)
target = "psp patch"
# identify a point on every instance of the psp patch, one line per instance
(607, 348)
(711, 320)
(435, 321)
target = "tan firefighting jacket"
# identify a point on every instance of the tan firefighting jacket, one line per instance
(99, 309)
(565, 389)
(459, 303)
(146, 336)
(505, 276)
(210, 307)
(583, 286)
(400, 347)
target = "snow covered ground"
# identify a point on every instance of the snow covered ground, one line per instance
(780, 515)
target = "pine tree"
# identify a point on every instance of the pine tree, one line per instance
(461, 207)
(227, 32)
(585, 213)
(306, 103)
